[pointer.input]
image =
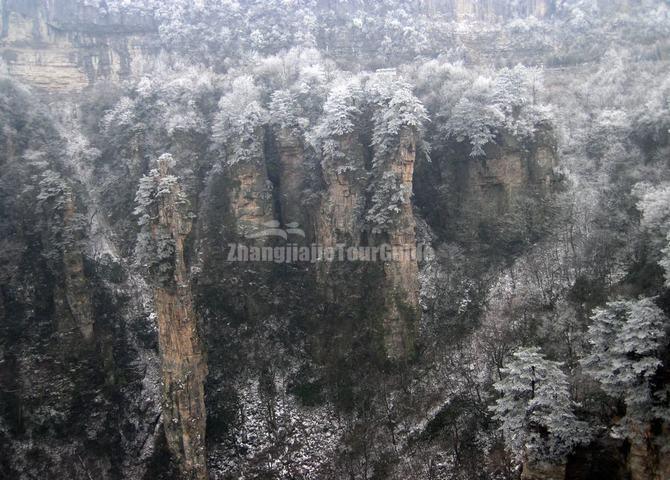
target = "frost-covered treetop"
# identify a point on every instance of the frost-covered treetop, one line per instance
(153, 186)
(341, 107)
(389, 100)
(166, 97)
(476, 105)
(285, 111)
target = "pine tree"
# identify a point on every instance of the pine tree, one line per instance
(627, 338)
(655, 207)
(535, 409)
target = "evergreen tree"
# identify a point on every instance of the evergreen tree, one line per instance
(627, 338)
(535, 409)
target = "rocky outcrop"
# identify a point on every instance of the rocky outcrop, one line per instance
(498, 200)
(183, 364)
(543, 471)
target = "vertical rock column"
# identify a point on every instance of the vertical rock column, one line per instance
(77, 291)
(402, 274)
(342, 206)
(291, 176)
(251, 193)
(181, 351)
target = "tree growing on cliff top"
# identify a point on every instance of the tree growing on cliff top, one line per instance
(535, 409)
(238, 120)
(489, 104)
(395, 108)
(627, 338)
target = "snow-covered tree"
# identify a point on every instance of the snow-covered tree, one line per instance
(395, 108)
(239, 118)
(535, 409)
(285, 111)
(665, 261)
(655, 207)
(490, 103)
(627, 338)
(340, 111)
(476, 117)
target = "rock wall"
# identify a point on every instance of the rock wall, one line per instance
(291, 177)
(543, 471)
(495, 201)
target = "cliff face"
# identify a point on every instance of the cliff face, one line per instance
(495, 200)
(342, 221)
(292, 166)
(66, 46)
(77, 287)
